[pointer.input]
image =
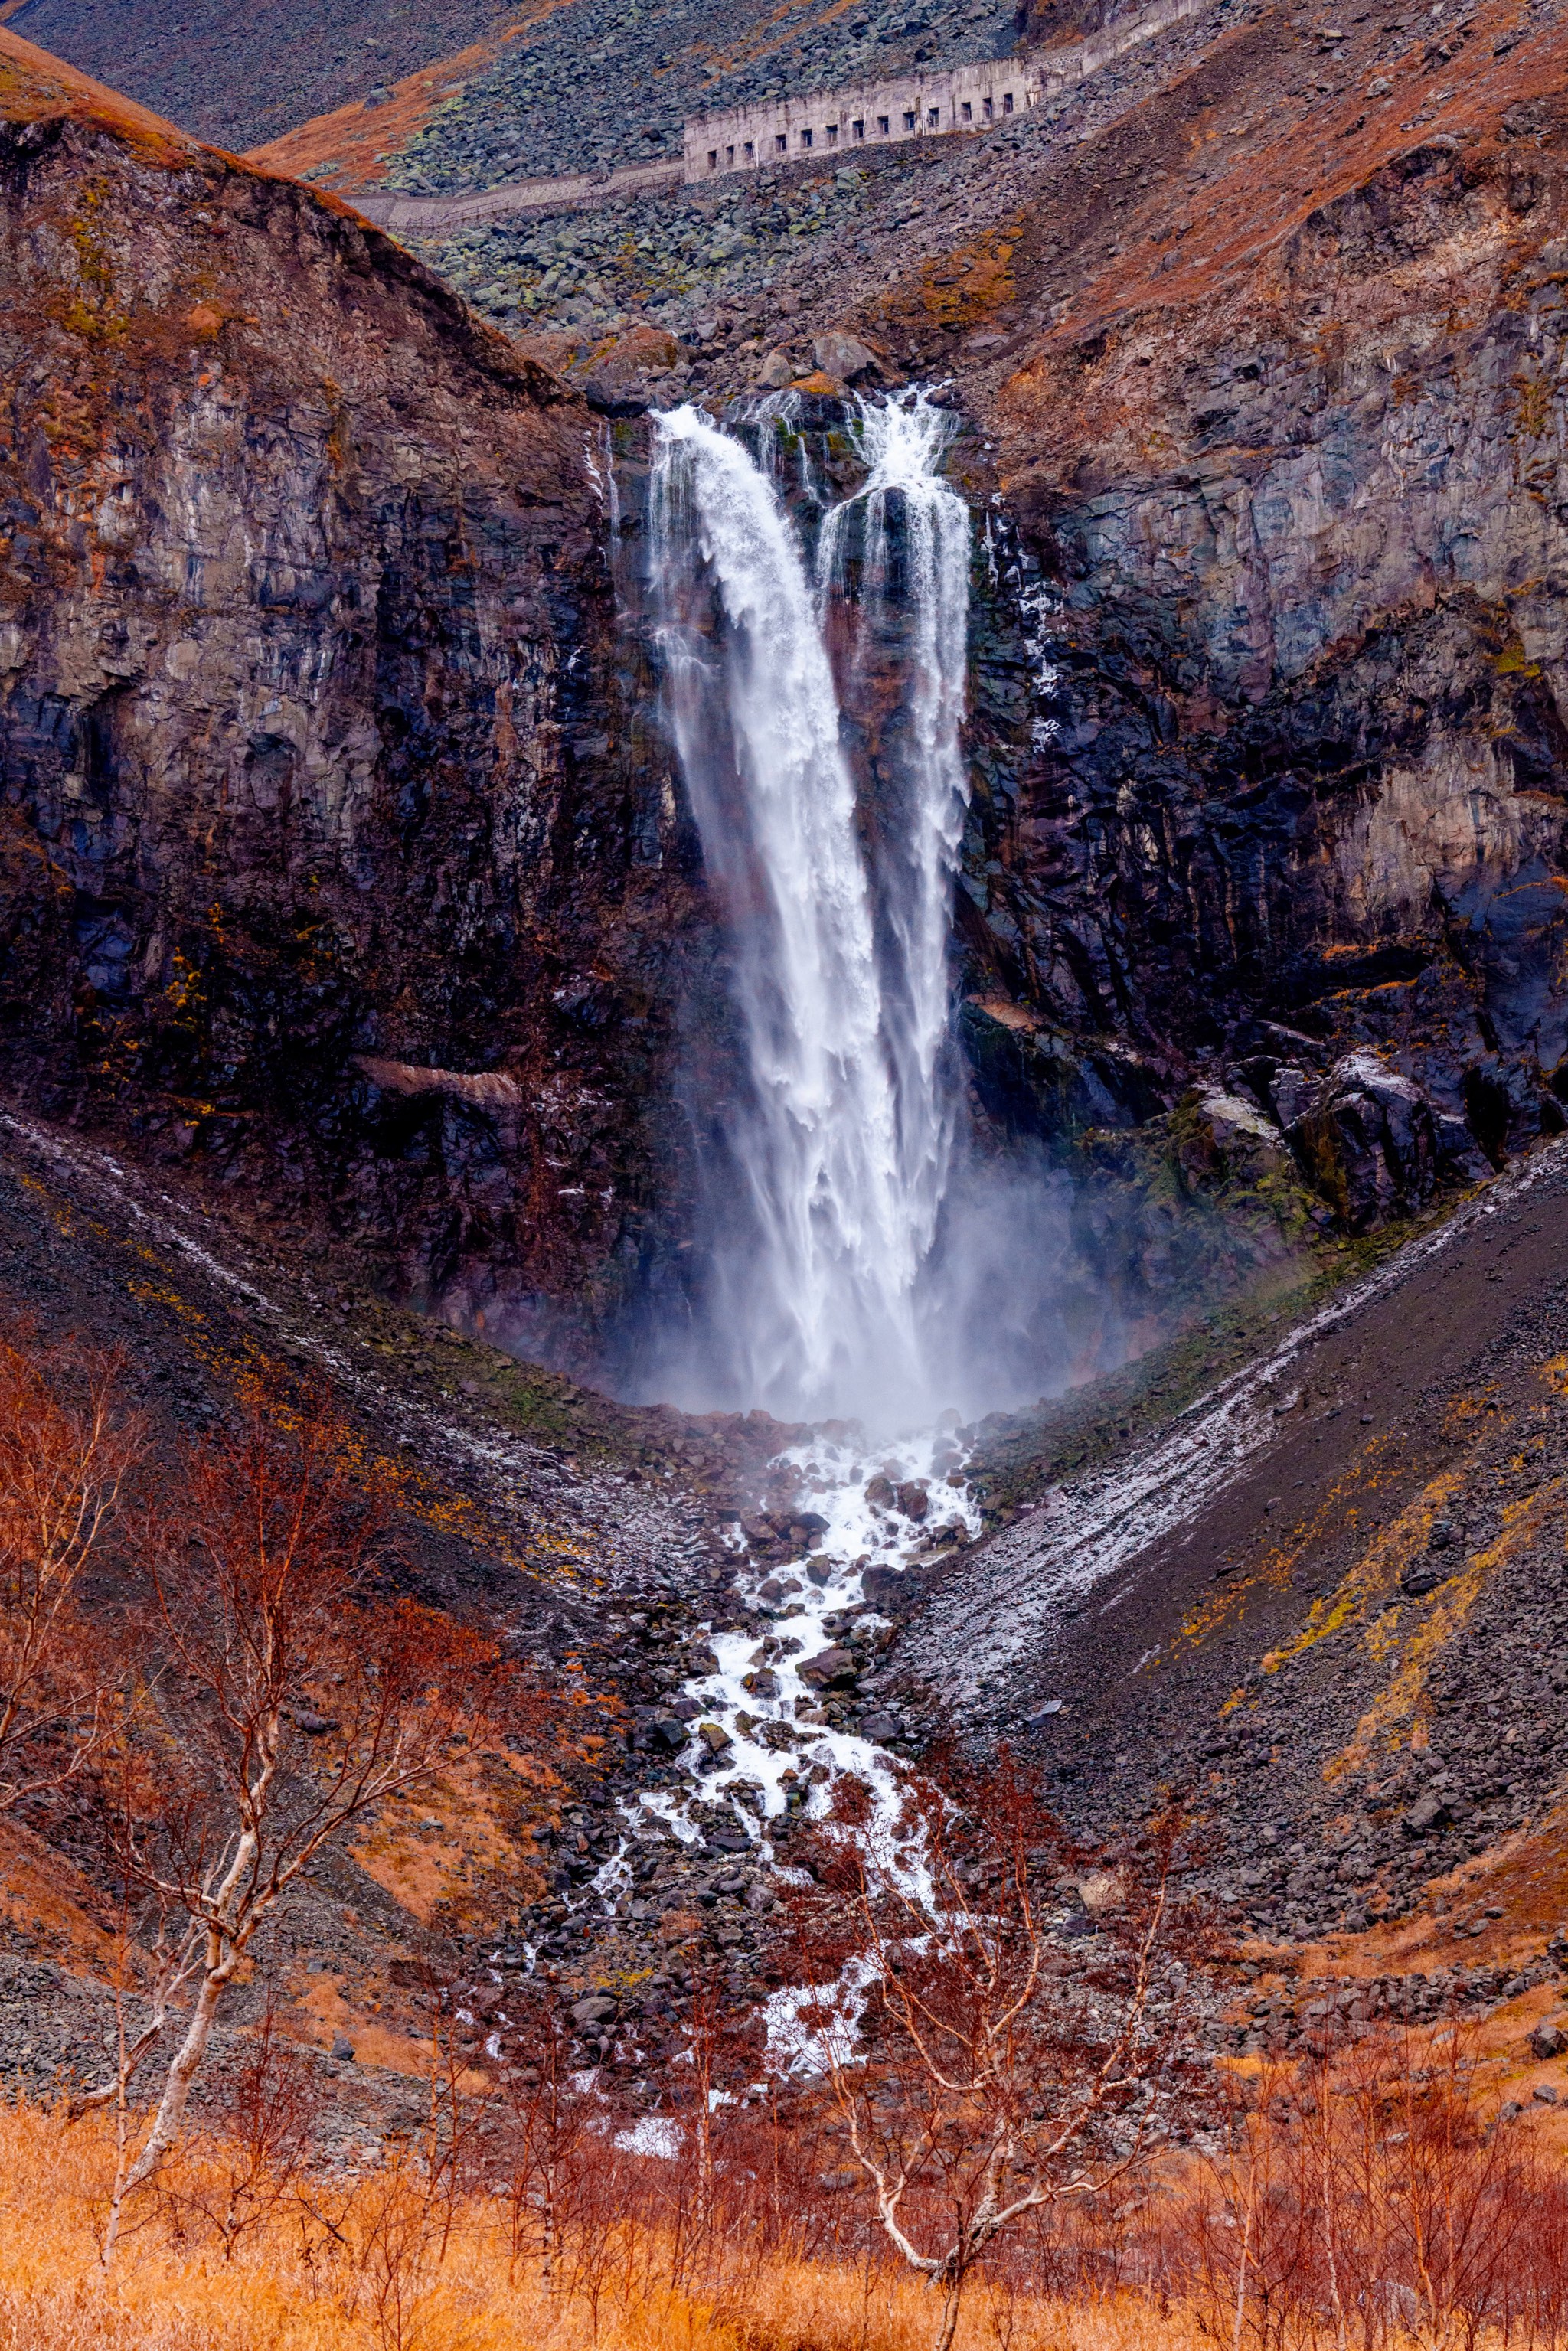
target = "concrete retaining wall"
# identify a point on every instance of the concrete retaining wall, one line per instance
(423, 214)
(844, 122)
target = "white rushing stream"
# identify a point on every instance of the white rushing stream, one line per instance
(826, 1181)
(778, 1743)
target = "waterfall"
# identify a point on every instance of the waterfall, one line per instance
(825, 1185)
(914, 598)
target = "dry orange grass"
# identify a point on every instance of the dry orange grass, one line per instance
(293, 2286)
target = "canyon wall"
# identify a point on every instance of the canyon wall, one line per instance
(337, 863)
(344, 868)
(1273, 748)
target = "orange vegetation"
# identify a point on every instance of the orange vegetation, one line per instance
(34, 86)
(1369, 2187)
(43, 1893)
(463, 1846)
(969, 285)
(367, 2273)
(349, 148)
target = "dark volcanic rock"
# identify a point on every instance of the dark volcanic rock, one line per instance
(334, 859)
(1373, 1145)
(1428, 1813)
(1267, 678)
(831, 1669)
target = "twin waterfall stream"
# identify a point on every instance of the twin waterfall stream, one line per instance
(826, 1185)
(826, 1181)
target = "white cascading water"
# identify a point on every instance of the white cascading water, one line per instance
(844, 1145)
(928, 609)
(843, 1148)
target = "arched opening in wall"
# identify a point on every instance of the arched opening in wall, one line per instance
(750, 153)
(986, 110)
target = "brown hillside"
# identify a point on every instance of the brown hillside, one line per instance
(36, 87)
(349, 148)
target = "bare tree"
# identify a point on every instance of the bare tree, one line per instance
(983, 2063)
(284, 1699)
(67, 1449)
(544, 2129)
(1374, 2193)
(256, 2146)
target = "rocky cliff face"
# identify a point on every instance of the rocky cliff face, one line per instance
(338, 863)
(1264, 382)
(1296, 786)
(1256, 342)
(344, 863)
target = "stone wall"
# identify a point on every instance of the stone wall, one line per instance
(845, 121)
(912, 106)
(429, 216)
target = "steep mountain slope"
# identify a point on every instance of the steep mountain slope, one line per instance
(1269, 686)
(1325, 1595)
(239, 76)
(515, 1502)
(472, 91)
(337, 857)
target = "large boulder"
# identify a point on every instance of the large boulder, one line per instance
(840, 354)
(831, 1669)
(1374, 1145)
(1219, 1135)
